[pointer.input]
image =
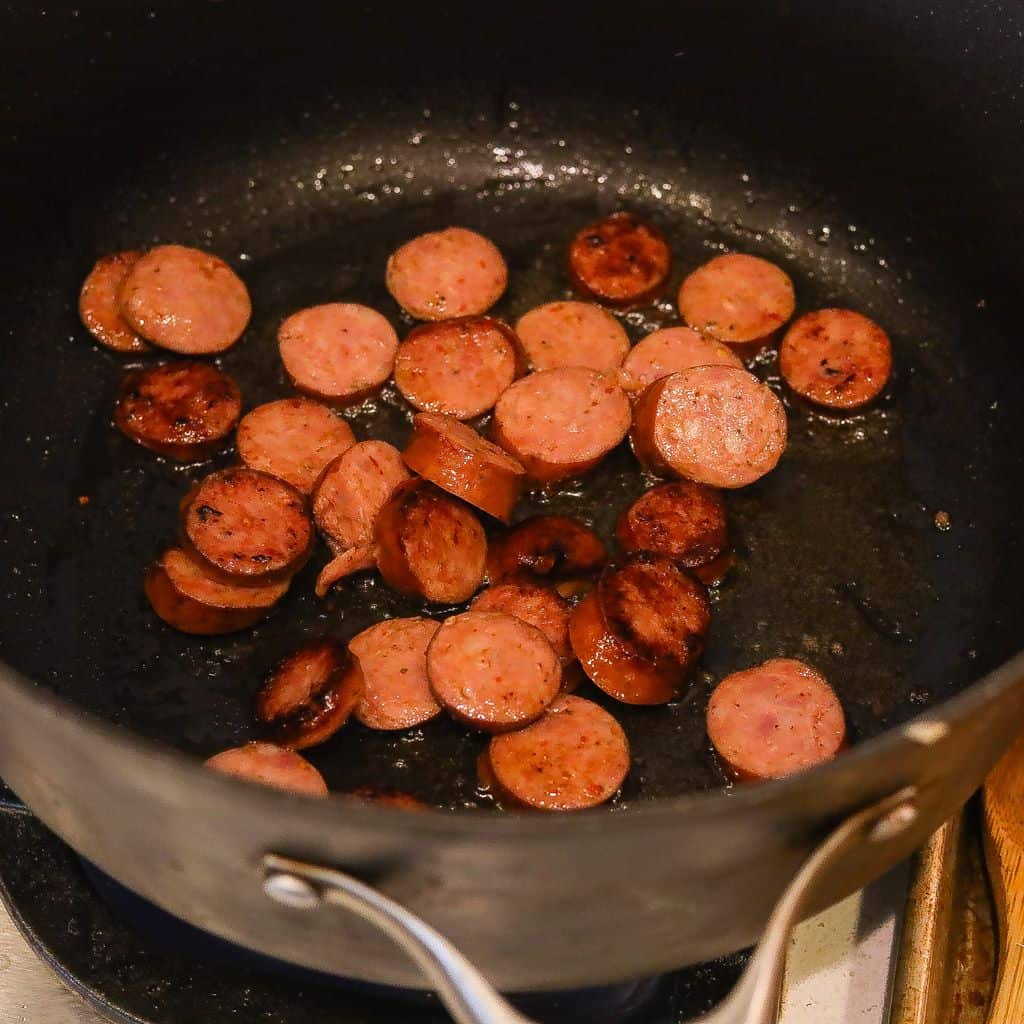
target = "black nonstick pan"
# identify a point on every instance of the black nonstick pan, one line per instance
(876, 154)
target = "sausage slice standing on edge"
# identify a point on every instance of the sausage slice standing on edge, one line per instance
(393, 657)
(620, 260)
(561, 423)
(339, 352)
(456, 458)
(185, 300)
(429, 545)
(836, 358)
(713, 424)
(293, 439)
(548, 547)
(182, 410)
(445, 274)
(775, 719)
(309, 696)
(188, 598)
(575, 756)
(99, 305)
(534, 603)
(247, 526)
(572, 334)
(269, 765)
(671, 350)
(457, 367)
(492, 671)
(349, 562)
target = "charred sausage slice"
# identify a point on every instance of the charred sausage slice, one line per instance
(99, 305)
(672, 350)
(575, 756)
(620, 260)
(248, 526)
(340, 352)
(572, 334)
(269, 765)
(182, 410)
(549, 547)
(775, 719)
(445, 274)
(561, 423)
(714, 424)
(456, 458)
(492, 671)
(535, 604)
(185, 300)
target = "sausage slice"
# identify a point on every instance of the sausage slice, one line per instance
(387, 798)
(429, 545)
(444, 274)
(270, 765)
(393, 657)
(185, 300)
(575, 756)
(737, 298)
(99, 306)
(182, 410)
(672, 350)
(187, 597)
(350, 561)
(549, 547)
(620, 260)
(339, 352)
(683, 520)
(456, 458)
(713, 424)
(775, 719)
(309, 696)
(836, 358)
(492, 671)
(561, 423)
(572, 334)
(248, 526)
(458, 367)
(535, 604)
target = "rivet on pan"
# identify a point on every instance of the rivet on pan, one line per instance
(898, 820)
(291, 890)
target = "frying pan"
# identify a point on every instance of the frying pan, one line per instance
(875, 152)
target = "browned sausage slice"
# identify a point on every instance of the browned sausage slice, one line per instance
(293, 439)
(458, 367)
(352, 491)
(339, 352)
(248, 526)
(737, 298)
(187, 597)
(309, 696)
(836, 358)
(387, 798)
(492, 671)
(775, 719)
(350, 561)
(713, 424)
(449, 273)
(575, 756)
(535, 604)
(672, 350)
(269, 765)
(181, 410)
(551, 547)
(185, 300)
(429, 545)
(572, 334)
(393, 657)
(561, 423)
(456, 458)
(99, 306)
(683, 520)
(621, 260)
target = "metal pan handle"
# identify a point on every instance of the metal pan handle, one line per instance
(471, 999)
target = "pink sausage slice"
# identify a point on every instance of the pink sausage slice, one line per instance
(836, 358)
(270, 765)
(535, 604)
(714, 424)
(349, 562)
(99, 305)
(492, 671)
(340, 352)
(672, 350)
(393, 657)
(561, 423)
(444, 274)
(572, 334)
(185, 300)
(775, 719)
